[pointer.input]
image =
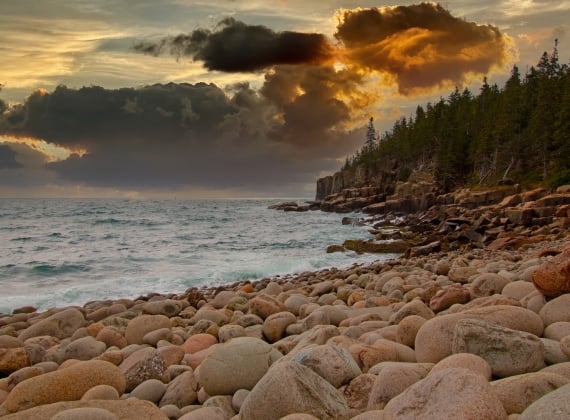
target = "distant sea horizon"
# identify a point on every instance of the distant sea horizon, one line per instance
(68, 251)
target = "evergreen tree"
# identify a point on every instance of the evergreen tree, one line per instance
(370, 135)
(521, 131)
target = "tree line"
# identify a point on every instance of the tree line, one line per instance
(520, 133)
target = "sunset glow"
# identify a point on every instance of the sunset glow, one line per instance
(52, 152)
(249, 96)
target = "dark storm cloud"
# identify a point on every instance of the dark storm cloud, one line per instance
(8, 158)
(174, 135)
(421, 46)
(237, 47)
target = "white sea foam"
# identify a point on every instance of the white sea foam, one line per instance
(68, 252)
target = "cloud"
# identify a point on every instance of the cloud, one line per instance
(8, 158)
(237, 47)
(418, 48)
(421, 46)
(197, 136)
(304, 116)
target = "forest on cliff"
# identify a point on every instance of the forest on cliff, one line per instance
(520, 133)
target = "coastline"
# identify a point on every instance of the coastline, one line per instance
(344, 332)
(470, 321)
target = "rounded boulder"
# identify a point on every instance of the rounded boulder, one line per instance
(141, 325)
(238, 364)
(67, 384)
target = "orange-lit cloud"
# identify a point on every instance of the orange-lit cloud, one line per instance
(417, 48)
(52, 152)
(421, 47)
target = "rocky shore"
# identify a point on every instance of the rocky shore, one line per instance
(477, 327)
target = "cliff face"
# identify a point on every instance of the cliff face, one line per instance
(382, 176)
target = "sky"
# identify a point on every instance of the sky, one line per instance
(234, 98)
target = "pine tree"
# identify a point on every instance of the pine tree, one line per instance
(371, 135)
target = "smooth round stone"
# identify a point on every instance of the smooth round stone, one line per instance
(198, 342)
(205, 413)
(87, 413)
(557, 330)
(448, 394)
(60, 325)
(111, 337)
(151, 390)
(518, 392)
(556, 310)
(143, 324)
(85, 348)
(467, 361)
(552, 406)
(435, 338)
(237, 364)
(67, 384)
(101, 392)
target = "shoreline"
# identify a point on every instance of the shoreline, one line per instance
(469, 322)
(344, 331)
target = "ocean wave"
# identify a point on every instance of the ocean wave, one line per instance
(48, 270)
(109, 221)
(22, 239)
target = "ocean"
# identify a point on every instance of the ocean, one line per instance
(60, 252)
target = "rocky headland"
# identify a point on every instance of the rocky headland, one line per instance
(470, 322)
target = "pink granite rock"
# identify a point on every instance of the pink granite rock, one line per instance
(448, 394)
